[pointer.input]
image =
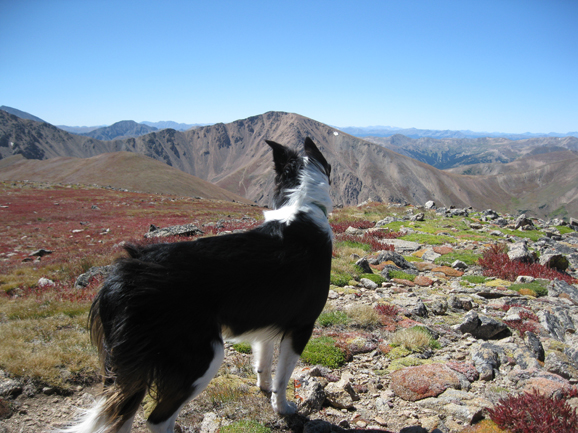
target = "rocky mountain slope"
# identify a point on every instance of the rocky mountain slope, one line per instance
(20, 113)
(423, 339)
(120, 170)
(234, 157)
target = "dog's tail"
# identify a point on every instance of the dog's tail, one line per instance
(108, 415)
(121, 398)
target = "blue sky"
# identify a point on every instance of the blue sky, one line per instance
(509, 66)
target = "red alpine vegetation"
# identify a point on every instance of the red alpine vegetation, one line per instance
(535, 413)
(496, 263)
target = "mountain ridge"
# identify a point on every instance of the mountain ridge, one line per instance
(233, 156)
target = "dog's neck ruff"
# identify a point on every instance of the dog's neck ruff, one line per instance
(311, 197)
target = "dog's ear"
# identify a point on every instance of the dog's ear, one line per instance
(281, 155)
(313, 152)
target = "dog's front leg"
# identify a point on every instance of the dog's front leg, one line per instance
(287, 360)
(262, 360)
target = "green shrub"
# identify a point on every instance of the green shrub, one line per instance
(402, 275)
(242, 347)
(535, 286)
(533, 235)
(474, 279)
(429, 239)
(322, 350)
(352, 244)
(340, 280)
(245, 426)
(330, 318)
(468, 257)
(564, 229)
(377, 279)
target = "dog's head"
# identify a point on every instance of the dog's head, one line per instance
(289, 166)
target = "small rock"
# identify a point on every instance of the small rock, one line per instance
(40, 253)
(396, 258)
(520, 252)
(10, 387)
(533, 343)
(416, 383)
(430, 255)
(309, 392)
(5, 412)
(523, 221)
(521, 279)
(431, 205)
(418, 217)
(450, 272)
(420, 280)
(439, 308)
(341, 394)
(364, 265)
(180, 230)
(486, 358)
(460, 303)
(211, 423)
(458, 264)
(558, 363)
(45, 282)
(368, 284)
(480, 326)
(559, 287)
(443, 250)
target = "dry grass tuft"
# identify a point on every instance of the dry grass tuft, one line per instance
(413, 339)
(364, 316)
(55, 351)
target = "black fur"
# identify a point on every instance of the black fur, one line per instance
(158, 313)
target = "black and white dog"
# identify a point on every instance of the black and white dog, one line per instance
(160, 319)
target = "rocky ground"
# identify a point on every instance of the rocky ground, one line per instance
(487, 341)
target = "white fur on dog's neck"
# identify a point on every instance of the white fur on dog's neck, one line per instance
(310, 197)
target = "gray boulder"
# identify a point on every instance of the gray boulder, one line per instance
(482, 327)
(554, 259)
(487, 360)
(185, 230)
(560, 364)
(534, 345)
(83, 280)
(520, 252)
(396, 258)
(364, 265)
(559, 287)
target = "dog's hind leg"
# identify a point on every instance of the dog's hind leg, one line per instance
(262, 359)
(171, 401)
(289, 351)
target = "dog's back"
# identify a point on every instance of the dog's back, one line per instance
(160, 318)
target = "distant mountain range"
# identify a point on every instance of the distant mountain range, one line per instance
(388, 131)
(233, 156)
(174, 125)
(122, 129)
(456, 152)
